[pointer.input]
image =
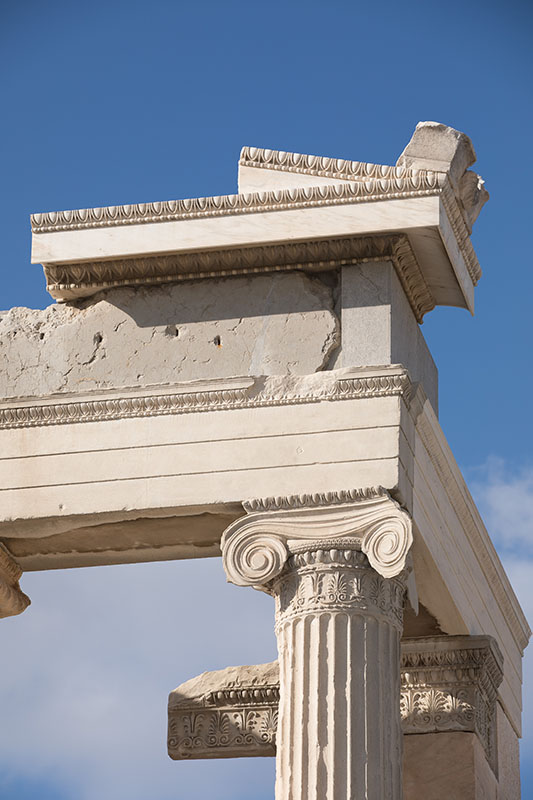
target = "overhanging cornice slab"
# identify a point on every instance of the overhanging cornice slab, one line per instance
(102, 241)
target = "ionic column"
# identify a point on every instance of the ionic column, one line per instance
(337, 573)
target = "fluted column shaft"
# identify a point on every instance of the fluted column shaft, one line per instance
(336, 566)
(338, 624)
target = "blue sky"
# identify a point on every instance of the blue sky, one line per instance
(122, 102)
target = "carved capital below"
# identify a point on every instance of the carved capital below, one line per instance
(229, 713)
(256, 548)
(12, 600)
(448, 683)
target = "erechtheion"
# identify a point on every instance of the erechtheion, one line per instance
(245, 376)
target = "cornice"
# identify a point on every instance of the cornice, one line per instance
(251, 394)
(68, 281)
(319, 166)
(453, 661)
(341, 169)
(461, 233)
(411, 184)
(442, 459)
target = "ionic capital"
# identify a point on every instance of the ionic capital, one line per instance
(256, 547)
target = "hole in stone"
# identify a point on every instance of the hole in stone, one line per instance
(172, 330)
(41, 336)
(98, 338)
(217, 341)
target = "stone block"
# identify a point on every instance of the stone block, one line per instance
(275, 324)
(446, 766)
(434, 146)
(225, 714)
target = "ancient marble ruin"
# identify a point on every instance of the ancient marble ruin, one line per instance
(246, 377)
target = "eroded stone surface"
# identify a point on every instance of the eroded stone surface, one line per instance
(439, 147)
(205, 688)
(268, 325)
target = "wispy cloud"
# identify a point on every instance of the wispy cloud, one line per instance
(505, 499)
(88, 668)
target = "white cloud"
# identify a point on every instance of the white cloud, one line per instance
(505, 499)
(87, 669)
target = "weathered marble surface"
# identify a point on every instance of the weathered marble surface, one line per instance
(273, 324)
(447, 766)
(438, 147)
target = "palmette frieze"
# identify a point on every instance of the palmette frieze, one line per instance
(214, 733)
(448, 683)
(19, 414)
(325, 579)
(432, 710)
(451, 683)
(233, 713)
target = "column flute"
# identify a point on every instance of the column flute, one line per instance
(336, 567)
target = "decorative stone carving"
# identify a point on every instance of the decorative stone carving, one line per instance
(71, 275)
(337, 573)
(198, 396)
(255, 548)
(12, 600)
(395, 182)
(225, 714)
(448, 683)
(71, 280)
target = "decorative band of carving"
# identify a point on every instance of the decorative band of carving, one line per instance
(68, 281)
(460, 230)
(255, 548)
(334, 576)
(12, 600)
(448, 683)
(451, 683)
(311, 500)
(183, 402)
(410, 184)
(227, 713)
(320, 166)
